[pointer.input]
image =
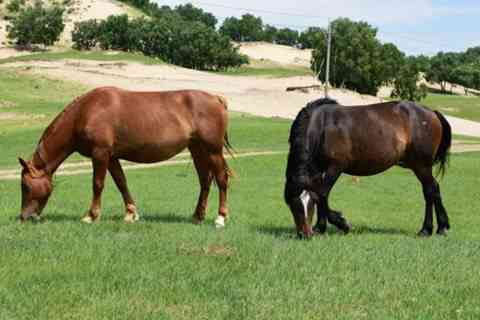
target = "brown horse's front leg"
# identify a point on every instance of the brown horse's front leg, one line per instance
(99, 172)
(115, 169)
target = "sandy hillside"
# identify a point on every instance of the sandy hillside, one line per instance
(277, 53)
(82, 10)
(256, 95)
(77, 10)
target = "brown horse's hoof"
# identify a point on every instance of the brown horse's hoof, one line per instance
(220, 222)
(196, 220)
(131, 218)
(88, 219)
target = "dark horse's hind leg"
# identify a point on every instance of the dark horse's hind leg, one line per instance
(202, 165)
(324, 212)
(431, 193)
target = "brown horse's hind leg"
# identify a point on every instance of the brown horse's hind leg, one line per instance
(205, 177)
(118, 176)
(100, 165)
(221, 172)
(431, 194)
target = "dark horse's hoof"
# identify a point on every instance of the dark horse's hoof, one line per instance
(320, 229)
(424, 233)
(442, 232)
(346, 227)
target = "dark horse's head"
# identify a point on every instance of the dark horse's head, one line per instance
(299, 167)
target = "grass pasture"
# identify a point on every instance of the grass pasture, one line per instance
(166, 268)
(453, 105)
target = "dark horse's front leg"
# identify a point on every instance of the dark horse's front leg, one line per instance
(432, 196)
(324, 213)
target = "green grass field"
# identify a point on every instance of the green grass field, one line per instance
(164, 267)
(458, 106)
(85, 55)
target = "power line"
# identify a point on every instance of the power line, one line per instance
(293, 14)
(297, 26)
(280, 13)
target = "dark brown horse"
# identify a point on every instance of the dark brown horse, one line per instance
(327, 139)
(109, 124)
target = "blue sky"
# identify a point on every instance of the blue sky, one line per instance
(415, 26)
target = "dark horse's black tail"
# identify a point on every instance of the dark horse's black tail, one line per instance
(443, 151)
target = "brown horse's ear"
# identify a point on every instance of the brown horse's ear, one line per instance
(24, 164)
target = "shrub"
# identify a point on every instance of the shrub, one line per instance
(356, 62)
(199, 47)
(85, 34)
(114, 33)
(405, 83)
(37, 25)
(14, 6)
(189, 44)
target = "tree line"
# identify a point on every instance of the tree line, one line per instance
(186, 35)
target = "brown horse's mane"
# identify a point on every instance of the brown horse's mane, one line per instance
(54, 124)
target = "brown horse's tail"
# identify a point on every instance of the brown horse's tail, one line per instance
(226, 141)
(443, 151)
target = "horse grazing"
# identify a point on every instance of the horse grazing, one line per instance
(108, 124)
(327, 139)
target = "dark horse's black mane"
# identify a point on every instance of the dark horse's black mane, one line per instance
(299, 155)
(300, 123)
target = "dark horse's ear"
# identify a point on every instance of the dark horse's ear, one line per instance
(23, 163)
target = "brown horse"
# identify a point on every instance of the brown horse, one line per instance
(109, 124)
(327, 140)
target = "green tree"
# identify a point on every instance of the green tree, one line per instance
(85, 34)
(37, 25)
(406, 80)
(247, 28)
(197, 46)
(356, 57)
(14, 6)
(287, 37)
(192, 13)
(270, 33)
(311, 37)
(392, 61)
(467, 75)
(231, 28)
(422, 61)
(472, 55)
(115, 34)
(442, 68)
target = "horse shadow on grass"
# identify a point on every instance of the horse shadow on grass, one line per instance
(149, 218)
(289, 232)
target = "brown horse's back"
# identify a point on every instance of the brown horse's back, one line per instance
(148, 126)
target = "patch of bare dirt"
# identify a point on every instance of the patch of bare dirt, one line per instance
(7, 104)
(18, 116)
(285, 55)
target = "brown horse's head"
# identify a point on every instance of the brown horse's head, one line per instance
(36, 189)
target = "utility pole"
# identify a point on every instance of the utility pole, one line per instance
(327, 72)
